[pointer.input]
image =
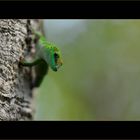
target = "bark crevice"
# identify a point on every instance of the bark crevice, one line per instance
(15, 81)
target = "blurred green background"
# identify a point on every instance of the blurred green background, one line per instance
(100, 78)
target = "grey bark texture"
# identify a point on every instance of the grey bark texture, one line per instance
(16, 91)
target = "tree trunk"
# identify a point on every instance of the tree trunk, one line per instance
(16, 89)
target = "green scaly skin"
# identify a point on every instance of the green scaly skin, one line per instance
(46, 51)
(47, 55)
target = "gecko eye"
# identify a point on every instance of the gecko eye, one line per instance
(56, 56)
(58, 61)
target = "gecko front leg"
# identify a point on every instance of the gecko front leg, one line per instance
(30, 64)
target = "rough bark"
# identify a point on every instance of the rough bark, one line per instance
(16, 81)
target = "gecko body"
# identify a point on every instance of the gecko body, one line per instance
(48, 55)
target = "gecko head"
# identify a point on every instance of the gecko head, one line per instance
(56, 59)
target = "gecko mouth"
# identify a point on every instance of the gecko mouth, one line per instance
(58, 66)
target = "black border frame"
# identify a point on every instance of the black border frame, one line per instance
(70, 10)
(70, 130)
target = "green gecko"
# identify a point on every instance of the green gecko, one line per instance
(47, 55)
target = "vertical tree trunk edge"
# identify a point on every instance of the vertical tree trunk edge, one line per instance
(16, 92)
